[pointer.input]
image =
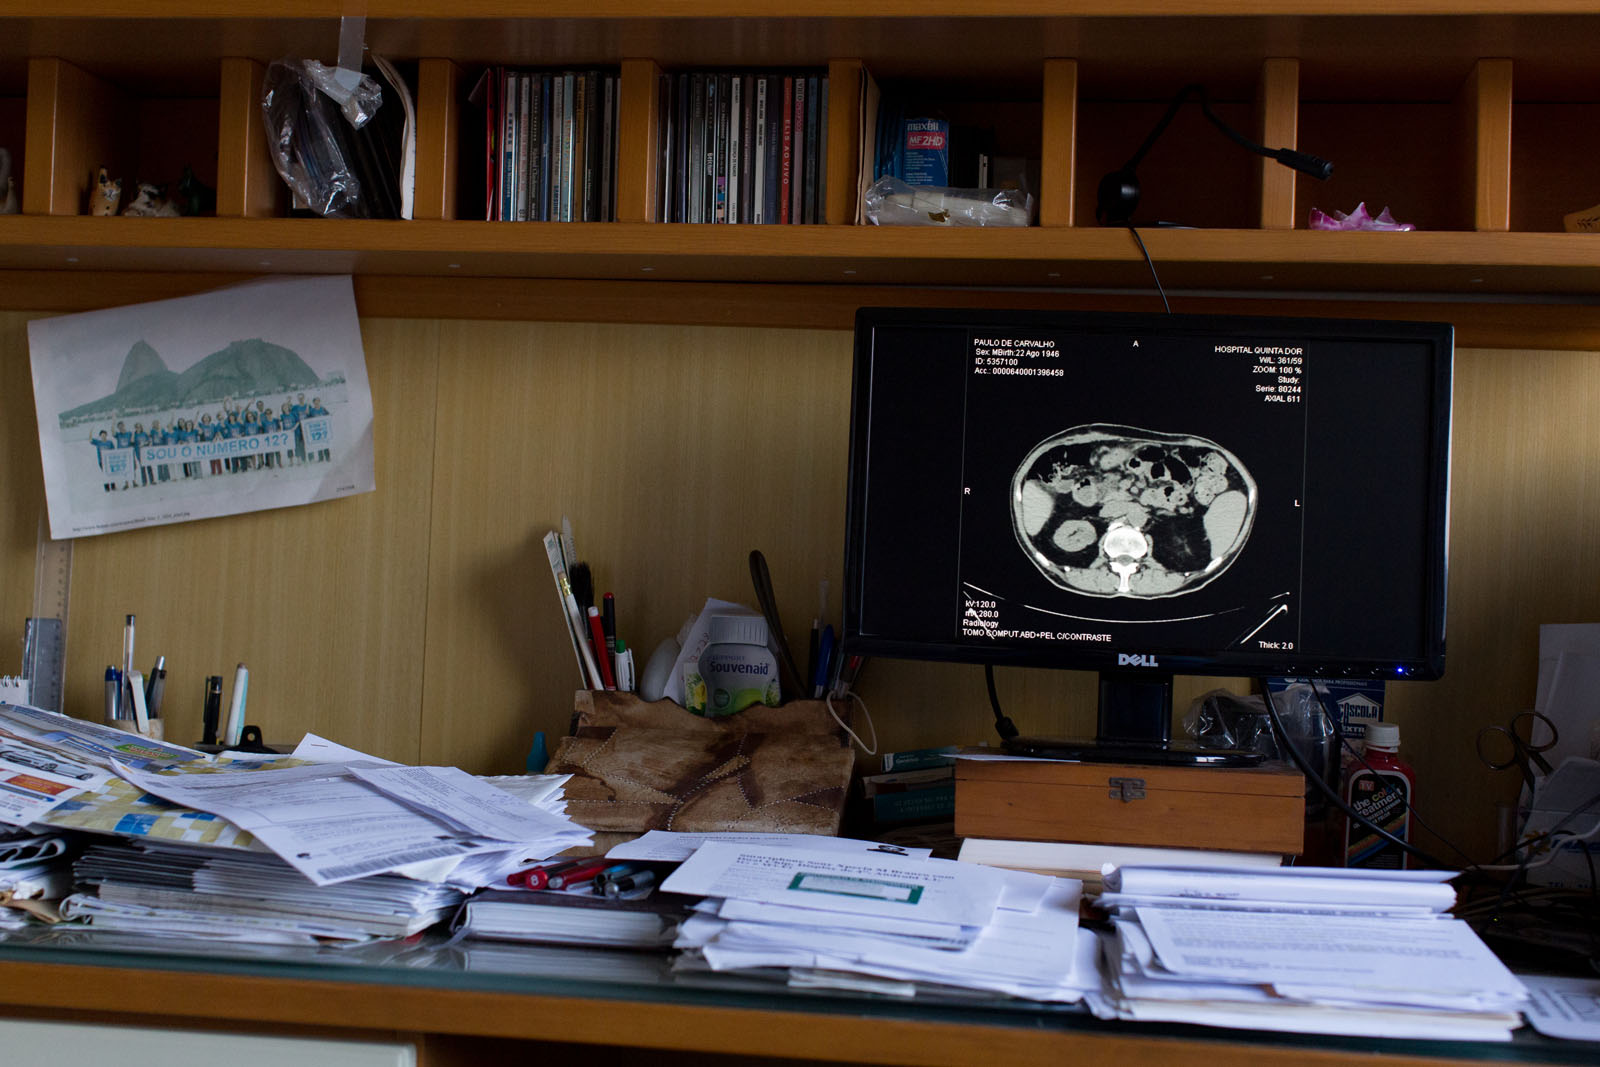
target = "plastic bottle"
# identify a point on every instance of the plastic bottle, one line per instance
(735, 670)
(1381, 787)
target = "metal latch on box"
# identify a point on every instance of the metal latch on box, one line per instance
(1126, 790)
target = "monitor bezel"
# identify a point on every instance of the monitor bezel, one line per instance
(1429, 664)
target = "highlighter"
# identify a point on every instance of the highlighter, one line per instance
(235, 726)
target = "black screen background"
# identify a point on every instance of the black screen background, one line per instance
(1371, 591)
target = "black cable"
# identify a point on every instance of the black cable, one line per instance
(1151, 264)
(1002, 725)
(1287, 744)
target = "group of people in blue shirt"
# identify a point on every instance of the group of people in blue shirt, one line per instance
(234, 420)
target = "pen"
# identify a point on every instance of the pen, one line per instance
(538, 877)
(628, 883)
(156, 687)
(213, 710)
(113, 695)
(625, 677)
(597, 631)
(574, 876)
(608, 624)
(819, 678)
(127, 647)
(235, 726)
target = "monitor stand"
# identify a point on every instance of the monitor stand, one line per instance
(1135, 726)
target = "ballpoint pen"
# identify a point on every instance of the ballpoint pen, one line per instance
(113, 695)
(156, 687)
(577, 875)
(823, 670)
(127, 648)
(608, 623)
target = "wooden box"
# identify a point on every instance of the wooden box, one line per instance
(1255, 809)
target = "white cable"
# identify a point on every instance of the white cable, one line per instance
(828, 702)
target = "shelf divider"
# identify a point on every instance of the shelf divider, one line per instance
(248, 185)
(1278, 116)
(846, 78)
(439, 141)
(75, 124)
(1058, 154)
(1485, 109)
(638, 136)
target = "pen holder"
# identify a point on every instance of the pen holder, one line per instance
(249, 741)
(638, 765)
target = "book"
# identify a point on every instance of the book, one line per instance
(573, 918)
(695, 153)
(808, 212)
(914, 759)
(747, 150)
(900, 781)
(521, 193)
(735, 147)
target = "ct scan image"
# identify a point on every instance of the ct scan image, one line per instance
(1120, 511)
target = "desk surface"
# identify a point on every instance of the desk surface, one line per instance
(503, 991)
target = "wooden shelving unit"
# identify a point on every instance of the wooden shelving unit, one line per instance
(1469, 119)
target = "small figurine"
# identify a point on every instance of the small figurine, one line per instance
(151, 203)
(105, 195)
(194, 197)
(8, 184)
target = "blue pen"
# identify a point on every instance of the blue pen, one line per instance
(113, 695)
(819, 682)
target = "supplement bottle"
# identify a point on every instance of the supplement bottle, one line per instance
(1381, 787)
(735, 670)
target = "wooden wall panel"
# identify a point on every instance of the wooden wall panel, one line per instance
(325, 602)
(419, 622)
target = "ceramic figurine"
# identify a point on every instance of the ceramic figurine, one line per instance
(105, 195)
(151, 202)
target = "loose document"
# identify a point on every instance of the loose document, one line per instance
(838, 918)
(335, 822)
(1312, 950)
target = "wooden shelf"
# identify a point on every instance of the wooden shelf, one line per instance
(1465, 118)
(1270, 260)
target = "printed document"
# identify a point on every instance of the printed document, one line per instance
(1391, 960)
(931, 890)
(329, 827)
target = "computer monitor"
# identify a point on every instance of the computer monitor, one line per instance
(1147, 496)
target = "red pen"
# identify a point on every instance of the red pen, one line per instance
(583, 872)
(537, 877)
(597, 630)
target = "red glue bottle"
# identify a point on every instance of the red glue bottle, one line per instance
(1381, 787)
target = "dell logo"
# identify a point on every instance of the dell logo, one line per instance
(1130, 659)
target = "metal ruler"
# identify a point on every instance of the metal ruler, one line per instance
(44, 649)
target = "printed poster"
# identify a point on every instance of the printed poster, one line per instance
(237, 400)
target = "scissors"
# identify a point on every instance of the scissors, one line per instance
(1504, 746)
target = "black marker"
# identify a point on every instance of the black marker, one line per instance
(213, 710)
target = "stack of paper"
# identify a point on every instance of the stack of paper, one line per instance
(851, 916)
(344, 823)
(35, 872)
(1311, 950)
(174, 890)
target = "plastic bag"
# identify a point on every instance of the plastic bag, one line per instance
(1223, 720)
(1359, 219)
(891, 202)
(311, 112)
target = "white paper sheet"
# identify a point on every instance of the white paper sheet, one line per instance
(129, 401)
(470, 805)
(1387, 959)
(673, 846)
(932, 890)
(1563, 1007)
(329, 827)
